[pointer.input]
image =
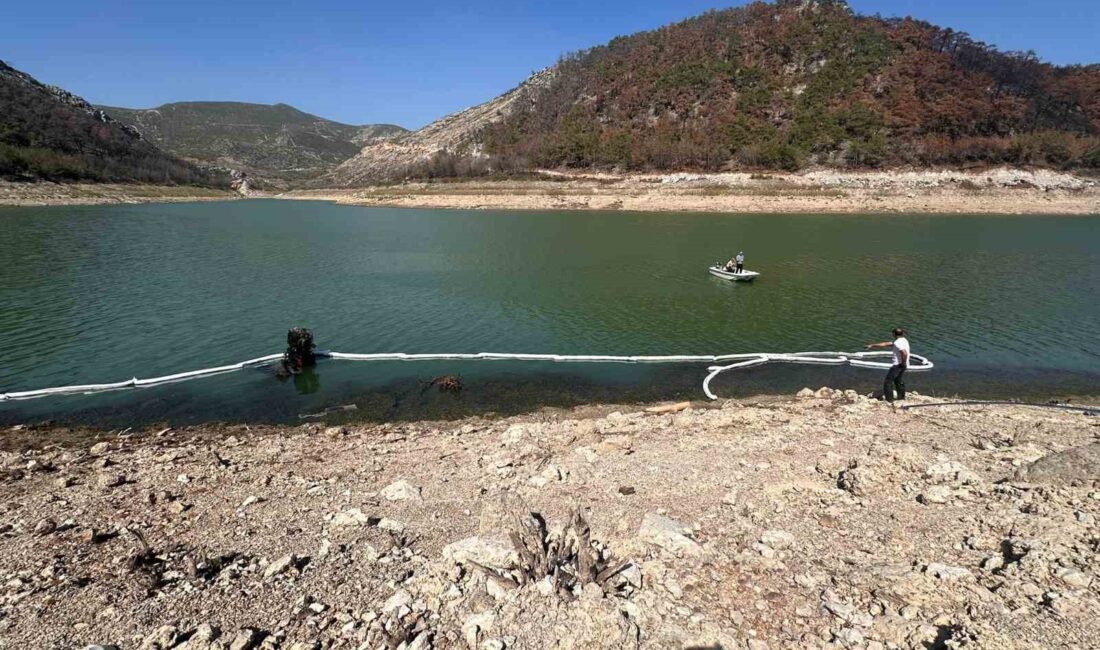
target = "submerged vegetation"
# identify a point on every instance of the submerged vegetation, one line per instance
(793, 83)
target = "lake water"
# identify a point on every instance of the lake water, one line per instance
(1006, 306)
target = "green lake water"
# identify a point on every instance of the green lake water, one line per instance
(1006, 306)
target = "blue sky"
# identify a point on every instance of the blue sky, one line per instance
(403, 62)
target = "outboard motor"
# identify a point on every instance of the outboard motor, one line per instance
(299, 351)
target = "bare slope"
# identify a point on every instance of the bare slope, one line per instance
(829, 521)
(456, 134)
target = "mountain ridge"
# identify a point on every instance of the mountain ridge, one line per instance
(276, 143)
(784, 86)
(48, 133)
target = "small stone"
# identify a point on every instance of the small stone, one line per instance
(401, 491)
(936, 494)
(1074, 577)
(350, 517)
(668, 408)
(99, 448)
(545, 586)
(278, 566)
(475, 625)
(249, 500)
(993, 562)
(668, 534)
(626, 490)
(485, 551)
(805, 393)
(178, 507)
(45, 527)
(850, 637)
(391, 525)
(951, 472)
(109, 480)
(163, 638)
(245, 639)
(945, 572)
(854, 480)
(777, 539)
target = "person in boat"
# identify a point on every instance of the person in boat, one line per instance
(900, 348)
(731, 265)
(740, 259)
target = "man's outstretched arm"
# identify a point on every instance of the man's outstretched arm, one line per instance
(877, 346)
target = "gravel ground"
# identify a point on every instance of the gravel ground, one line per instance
(991, 191)
(823, 521)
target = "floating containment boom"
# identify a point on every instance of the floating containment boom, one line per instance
(726, 362)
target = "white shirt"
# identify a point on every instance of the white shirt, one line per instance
(901, 343)
(740, 258)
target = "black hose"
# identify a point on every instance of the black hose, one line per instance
(1087, 410)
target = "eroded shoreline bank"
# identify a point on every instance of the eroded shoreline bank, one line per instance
(47, 194)
(999, 191)
(823, 521)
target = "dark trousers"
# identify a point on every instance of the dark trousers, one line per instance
(740, 267)
(894, 381)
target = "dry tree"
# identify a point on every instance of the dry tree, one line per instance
(568, 558)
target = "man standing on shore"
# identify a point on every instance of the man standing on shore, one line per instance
(900, 347)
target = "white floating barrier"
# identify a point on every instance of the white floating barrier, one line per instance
(746, 360)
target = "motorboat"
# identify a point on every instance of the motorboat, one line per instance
(719, 271)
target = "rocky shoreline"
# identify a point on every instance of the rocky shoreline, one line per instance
(46, 193)
(996, 191)
(824, 521)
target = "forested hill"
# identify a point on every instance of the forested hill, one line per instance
(789, 84)
(277, 143)
(47, 133)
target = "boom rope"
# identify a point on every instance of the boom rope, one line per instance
(739, 361)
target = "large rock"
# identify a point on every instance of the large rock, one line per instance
(1079, 465)
(668, 534)
(163, 638)
(401, 491)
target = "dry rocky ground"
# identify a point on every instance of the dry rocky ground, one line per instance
(995, 191)
(823, 521)
(45, 193)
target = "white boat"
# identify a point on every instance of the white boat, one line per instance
(721, 272)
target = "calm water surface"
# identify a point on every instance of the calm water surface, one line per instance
(1005, 305)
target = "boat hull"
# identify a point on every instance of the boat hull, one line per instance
(743, 276)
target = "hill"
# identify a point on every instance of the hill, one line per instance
(47, 133)
(275, 143)
(781, 86)
(414, 152)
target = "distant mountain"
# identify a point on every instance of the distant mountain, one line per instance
(274, 143)
(47, 133)
(782, 85)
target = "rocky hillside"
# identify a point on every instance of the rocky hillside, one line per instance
(47, 133)
(786, 85)
(451, 141)
(829, 521)
(273, 143)
(804, 82)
